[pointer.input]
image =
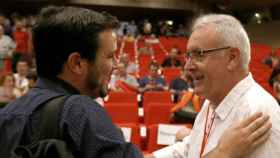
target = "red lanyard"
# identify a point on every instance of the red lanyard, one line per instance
(207, 131)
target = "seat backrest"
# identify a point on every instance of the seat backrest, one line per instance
(155, 113)
(135, 132)
(123, 112)
(156, 97)
(170, 74)
(122, 97)
(152, 145)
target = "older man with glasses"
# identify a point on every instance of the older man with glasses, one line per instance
(218, 61)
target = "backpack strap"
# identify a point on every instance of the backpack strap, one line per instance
(50, 118)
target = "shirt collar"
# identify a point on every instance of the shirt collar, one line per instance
(56, 84)
(227, 104)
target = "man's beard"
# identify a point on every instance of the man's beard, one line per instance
(103, 91)
(98, 89)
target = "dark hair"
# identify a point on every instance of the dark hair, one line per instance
(154, 64)
(60, 31)
(24, 59)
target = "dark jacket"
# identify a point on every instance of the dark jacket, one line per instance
(87, 129)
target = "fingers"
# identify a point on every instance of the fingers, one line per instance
(250, 119)
(261, 132)
(261, 139)
(149, 156)
(257, 123)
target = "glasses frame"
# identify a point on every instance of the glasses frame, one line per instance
(200, 53)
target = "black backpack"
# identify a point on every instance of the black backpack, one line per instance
(47, 141)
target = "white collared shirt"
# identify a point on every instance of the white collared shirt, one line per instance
(244, 99)
(21, 82)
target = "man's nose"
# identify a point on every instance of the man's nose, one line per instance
(189, 66)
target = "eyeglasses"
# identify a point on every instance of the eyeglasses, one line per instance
(199, 54)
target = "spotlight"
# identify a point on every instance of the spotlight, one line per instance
(257, 15)
(169, 22)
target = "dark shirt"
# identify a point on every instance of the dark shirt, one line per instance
(157, 81)
(169, 62)
(273, 75)
(87, 128)
(178, 84)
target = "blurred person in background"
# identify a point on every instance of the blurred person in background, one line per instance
(22, 70)
(171, 60)
(6, 24)
(272, 60)
(7, 47)
(180, 84)
(122, 81)
(147, 49)
(8, 91)
(22, 40)
(131, 67)
(153, 81)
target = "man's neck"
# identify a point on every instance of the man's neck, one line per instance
(216, 100)
(79, 86)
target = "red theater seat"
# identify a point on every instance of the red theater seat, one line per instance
(123, 112)
(156, 97)
(135, 133)
(122, 97)
(155, 113)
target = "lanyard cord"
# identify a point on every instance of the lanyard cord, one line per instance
(207, 130)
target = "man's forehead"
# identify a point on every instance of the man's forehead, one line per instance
(109, 40)
(201, 38)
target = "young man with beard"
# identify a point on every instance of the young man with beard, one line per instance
(74, 55)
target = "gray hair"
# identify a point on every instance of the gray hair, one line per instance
(230, 31)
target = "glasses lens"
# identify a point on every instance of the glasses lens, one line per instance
(195, 54)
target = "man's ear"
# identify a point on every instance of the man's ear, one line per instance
(234, 59)
(76, 64)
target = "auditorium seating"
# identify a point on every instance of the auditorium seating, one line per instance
(156, 97)
(123, 106)
(152, 145)
(123, 112)
(122, 97)
(170, 74)
(135, 132)
(153, 138)
(155, 113)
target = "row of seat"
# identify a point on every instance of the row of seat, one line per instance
(160, 50)
(259, 52)
(154, 113)
(132, 97)
(150, 138)
(123, 107)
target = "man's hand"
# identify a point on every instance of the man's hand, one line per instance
(242, 138)
(182, 133)
(149, 156)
